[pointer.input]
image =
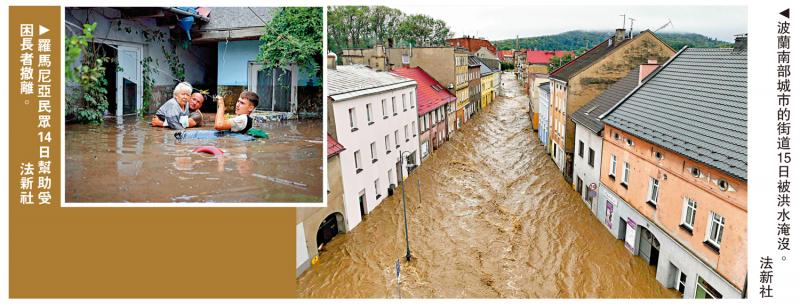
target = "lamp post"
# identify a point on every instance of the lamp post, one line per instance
(405, 217)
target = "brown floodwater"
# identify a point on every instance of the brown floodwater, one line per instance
(496, 219)
(126, 160)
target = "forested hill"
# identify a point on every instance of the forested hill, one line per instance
(576, 40)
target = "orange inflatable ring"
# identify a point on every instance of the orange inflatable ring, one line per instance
(209, 150)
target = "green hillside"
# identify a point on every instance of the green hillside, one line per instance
(576, 40)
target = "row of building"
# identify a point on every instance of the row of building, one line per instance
(388, 109)
(655, 142)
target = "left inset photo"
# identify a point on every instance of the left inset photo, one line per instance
(193, 105)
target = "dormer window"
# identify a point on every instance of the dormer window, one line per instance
(723, 184)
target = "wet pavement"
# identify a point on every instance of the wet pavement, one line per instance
(496, 219)
(128, 161)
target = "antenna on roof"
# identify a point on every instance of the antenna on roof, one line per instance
(623, 20)
(631, 32)
(669, 23)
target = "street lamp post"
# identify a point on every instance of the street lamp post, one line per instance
(405, 217)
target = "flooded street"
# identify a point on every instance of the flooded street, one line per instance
(129, 161)
(495, 219)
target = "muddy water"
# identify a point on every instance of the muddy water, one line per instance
(128, 161)
(496, 220)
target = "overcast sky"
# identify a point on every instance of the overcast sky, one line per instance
(496, 23)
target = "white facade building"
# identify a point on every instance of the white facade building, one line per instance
(374, 115)
(586, 172)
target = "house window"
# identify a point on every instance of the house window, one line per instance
(652, 195)
(413, 125)
(591, 157)
(383, 108)
(579, 185)
(626, 171)
(353, 123)
(390, 176)
(373, 150)
(377, 188)
(404, 103)
(716, 223)
(405, 132)
(274, 87)
(689, 212)
(412, 97)
(705, 290)
(369, 114)
(580, 149)
(695, 172)
(586, 196)
(394, 107)
(397, 139)
(680, 283)
(357, 156)
(613, 171)
(387, 144)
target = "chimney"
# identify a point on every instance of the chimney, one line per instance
(619, 36)
(740, 44)
(331, 61)
(646, 69)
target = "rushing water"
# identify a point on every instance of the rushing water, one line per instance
(126, 160)
(496, 220)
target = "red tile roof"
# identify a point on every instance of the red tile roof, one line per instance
(430, 94)
(333, 146)
(472, 44)
(543, 56)
(502, 54)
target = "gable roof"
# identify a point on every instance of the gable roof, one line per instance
(430, 94)
(572, 68)
(589, 115)
(543, 56)
(493, 64)
(350, 81)
(334, 147)
(696, 106)
(473, 61)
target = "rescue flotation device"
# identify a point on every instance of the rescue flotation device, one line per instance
(209, 150)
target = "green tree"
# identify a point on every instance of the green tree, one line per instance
(86, 98)
(293, 36)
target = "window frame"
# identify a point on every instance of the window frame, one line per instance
(688, 204)
(652, 192)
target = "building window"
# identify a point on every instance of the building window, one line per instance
(723, 185)
(580, 149)
(373, 150)
(652, 195)
(405, 132)
(413, 125)
(377, 188)
(591, 157)
(394, 107)
(383, 108)
(688, 214)
(626, 172)
(369, 114)
(680, 283)
(353, 122)
(357, 156)
(412, 97)
(387, 143)
(579, 185)
(390, 175)
(397, 139)
(716, 224)
(705, 290)
(586, 196)
(695, 172)
(404, 103)
(612, 172)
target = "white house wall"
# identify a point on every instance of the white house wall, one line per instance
(353, 182)
(581, 168)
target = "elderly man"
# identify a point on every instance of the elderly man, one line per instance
(195, 116)
(175, 112)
